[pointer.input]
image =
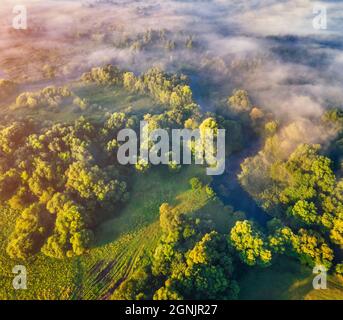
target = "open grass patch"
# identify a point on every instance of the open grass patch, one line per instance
(286, 279)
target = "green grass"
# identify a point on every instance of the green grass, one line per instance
(286, 279)
(149, 191)
(115, 98)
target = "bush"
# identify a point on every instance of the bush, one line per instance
(339, 269)
(195, 183)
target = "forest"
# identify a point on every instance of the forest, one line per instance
(88, 227)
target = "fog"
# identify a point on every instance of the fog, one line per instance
(268, 47)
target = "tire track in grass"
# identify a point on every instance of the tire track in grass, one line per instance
(102, 279)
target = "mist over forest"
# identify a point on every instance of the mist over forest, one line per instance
(282, 66)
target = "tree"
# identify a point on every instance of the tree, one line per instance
(47, 97)
(212, 249)
(189, 42)
(105, 75)
(49, 71)
(138, 287)
(195, 183)
(71, 235)
(142, 165)
(307, 245)
(305, 211)
(271, 127)
(339, 268)
(13, 136)
(129, 81)
(174, 166)
(167, 292)
(250, 244)
(312, 249)
(301, 188)
(239, 101)
(9, 184)
(29, 232)
(58, 176)
(190, 261)
(93, 183)
(207, 273)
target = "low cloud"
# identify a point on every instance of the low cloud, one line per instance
(268, 47)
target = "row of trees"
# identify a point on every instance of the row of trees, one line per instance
(149, 40)
(169, 90)
(172, 92)
(48, 97)
(256, 248)
(193, 261)
(156, 39)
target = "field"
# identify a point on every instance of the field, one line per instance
(121, 243)
(286, 279)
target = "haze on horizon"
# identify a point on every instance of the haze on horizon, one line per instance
(268, 47)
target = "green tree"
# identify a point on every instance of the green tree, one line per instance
(239, 101)
(250, 244)
(29, 233)
(305, 211)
